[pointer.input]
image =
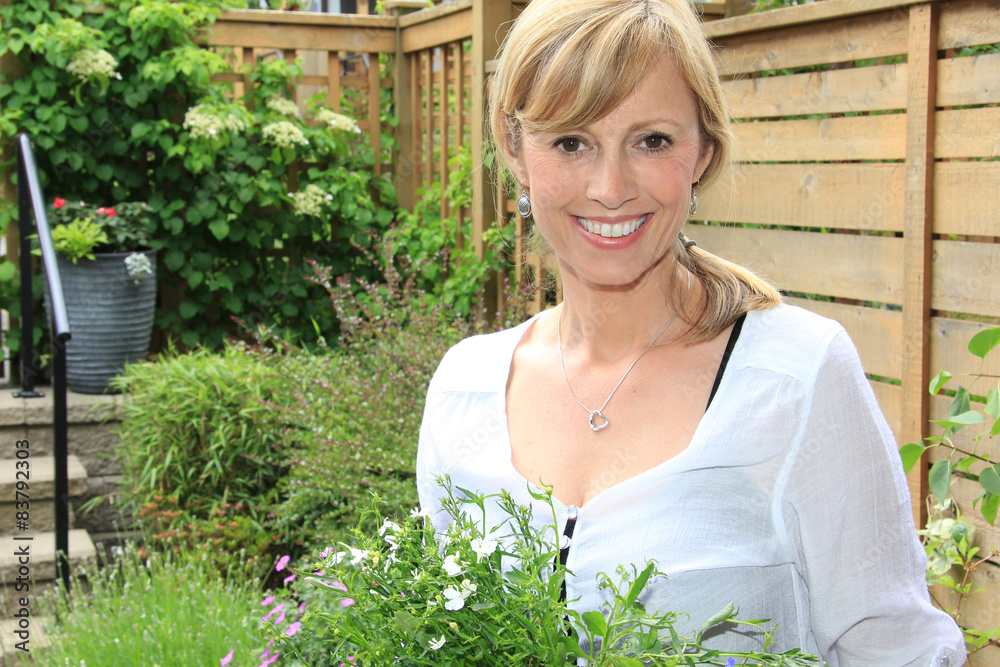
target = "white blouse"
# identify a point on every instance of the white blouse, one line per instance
(790, 500)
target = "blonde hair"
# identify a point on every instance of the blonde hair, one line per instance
(567, 63)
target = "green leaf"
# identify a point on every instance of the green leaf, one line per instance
(984, 341)
(996, 428)
(47, 89)
(220, 229)
(958, 421)
(188, 310)
(940, 479)
(79, 123)
(640, 583)
(104, 172)
(939, 381)
(989, 508)
(594, 620)
(910, 453)
(990, 479)
(993, 403)
(960, 403)
(194, 278)
(966, 462)
(173, 259)
(627, 662)
(720, 617)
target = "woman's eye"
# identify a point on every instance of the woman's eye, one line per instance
(656, 142)
(569, 144)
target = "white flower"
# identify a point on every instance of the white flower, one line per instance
(310, 202)
(205, 120)
(452, 566)
(358, 556)
(138, 265)
(467, 588)
(284, 134)
(388, 526)
(417, 512)
(283, 105)
(455, 599)
(483, 547)
(337, 121)
(87, 63)
(435, 644)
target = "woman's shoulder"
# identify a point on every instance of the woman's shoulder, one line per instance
(791, 340)
(481, 362)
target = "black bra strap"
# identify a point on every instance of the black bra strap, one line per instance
(737, 327)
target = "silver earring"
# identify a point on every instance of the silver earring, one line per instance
(523, 204)
(694, 197)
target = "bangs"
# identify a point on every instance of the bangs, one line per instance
(595, 68)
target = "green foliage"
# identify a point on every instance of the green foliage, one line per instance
(359, 432)
(121, 106)
(195, 432)
(148, 608)
(450, 270)
(948, 535)
(473, 598)
(78, 239)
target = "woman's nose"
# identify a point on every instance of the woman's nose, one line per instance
(612, 181)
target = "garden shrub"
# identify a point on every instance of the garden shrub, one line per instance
(200, 456)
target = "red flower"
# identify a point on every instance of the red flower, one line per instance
(110, 212)
(59, 202)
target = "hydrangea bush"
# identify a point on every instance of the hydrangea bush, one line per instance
(123, 104)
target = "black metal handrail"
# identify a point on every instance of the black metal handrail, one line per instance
(30, 200)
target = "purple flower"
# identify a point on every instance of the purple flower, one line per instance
(229, 658)
(282, 562)
(290, 577)
(293, 628)
(266, 601)
(346, 602)
(730, 662)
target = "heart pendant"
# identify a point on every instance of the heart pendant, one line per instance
(598, 427)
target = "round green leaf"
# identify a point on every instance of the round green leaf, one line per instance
(984, 341)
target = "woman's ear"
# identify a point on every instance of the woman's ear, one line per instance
(704, 160)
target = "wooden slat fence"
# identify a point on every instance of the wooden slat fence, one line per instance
(869, 177)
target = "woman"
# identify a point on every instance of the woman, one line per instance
(677, 409)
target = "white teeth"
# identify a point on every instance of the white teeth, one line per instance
(612, 231)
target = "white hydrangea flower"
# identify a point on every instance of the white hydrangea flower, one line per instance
(283, 105)
(205, 121)
(138, 265)
(337, 121)
(310, 202)
(87, 63)
(284, 134)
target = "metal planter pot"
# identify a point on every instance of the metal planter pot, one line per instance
(110, 317)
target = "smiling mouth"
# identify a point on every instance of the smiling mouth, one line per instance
(611, 230)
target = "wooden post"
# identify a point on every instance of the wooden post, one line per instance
(490, 21)
(405, 84)
(375, 109)
(443, 126)
(920, 102)
(333, 80)
(428, 161)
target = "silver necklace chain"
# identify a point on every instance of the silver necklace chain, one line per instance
(599, 413)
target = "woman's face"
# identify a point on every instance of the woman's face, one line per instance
(611, 197)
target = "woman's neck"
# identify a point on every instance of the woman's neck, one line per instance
(608, 325)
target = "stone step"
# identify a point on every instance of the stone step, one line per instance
(40, 491)
(41, 565)
(37, 636)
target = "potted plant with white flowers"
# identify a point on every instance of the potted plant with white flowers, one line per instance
(108, 272)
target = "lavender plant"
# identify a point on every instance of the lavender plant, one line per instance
(403, 596)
